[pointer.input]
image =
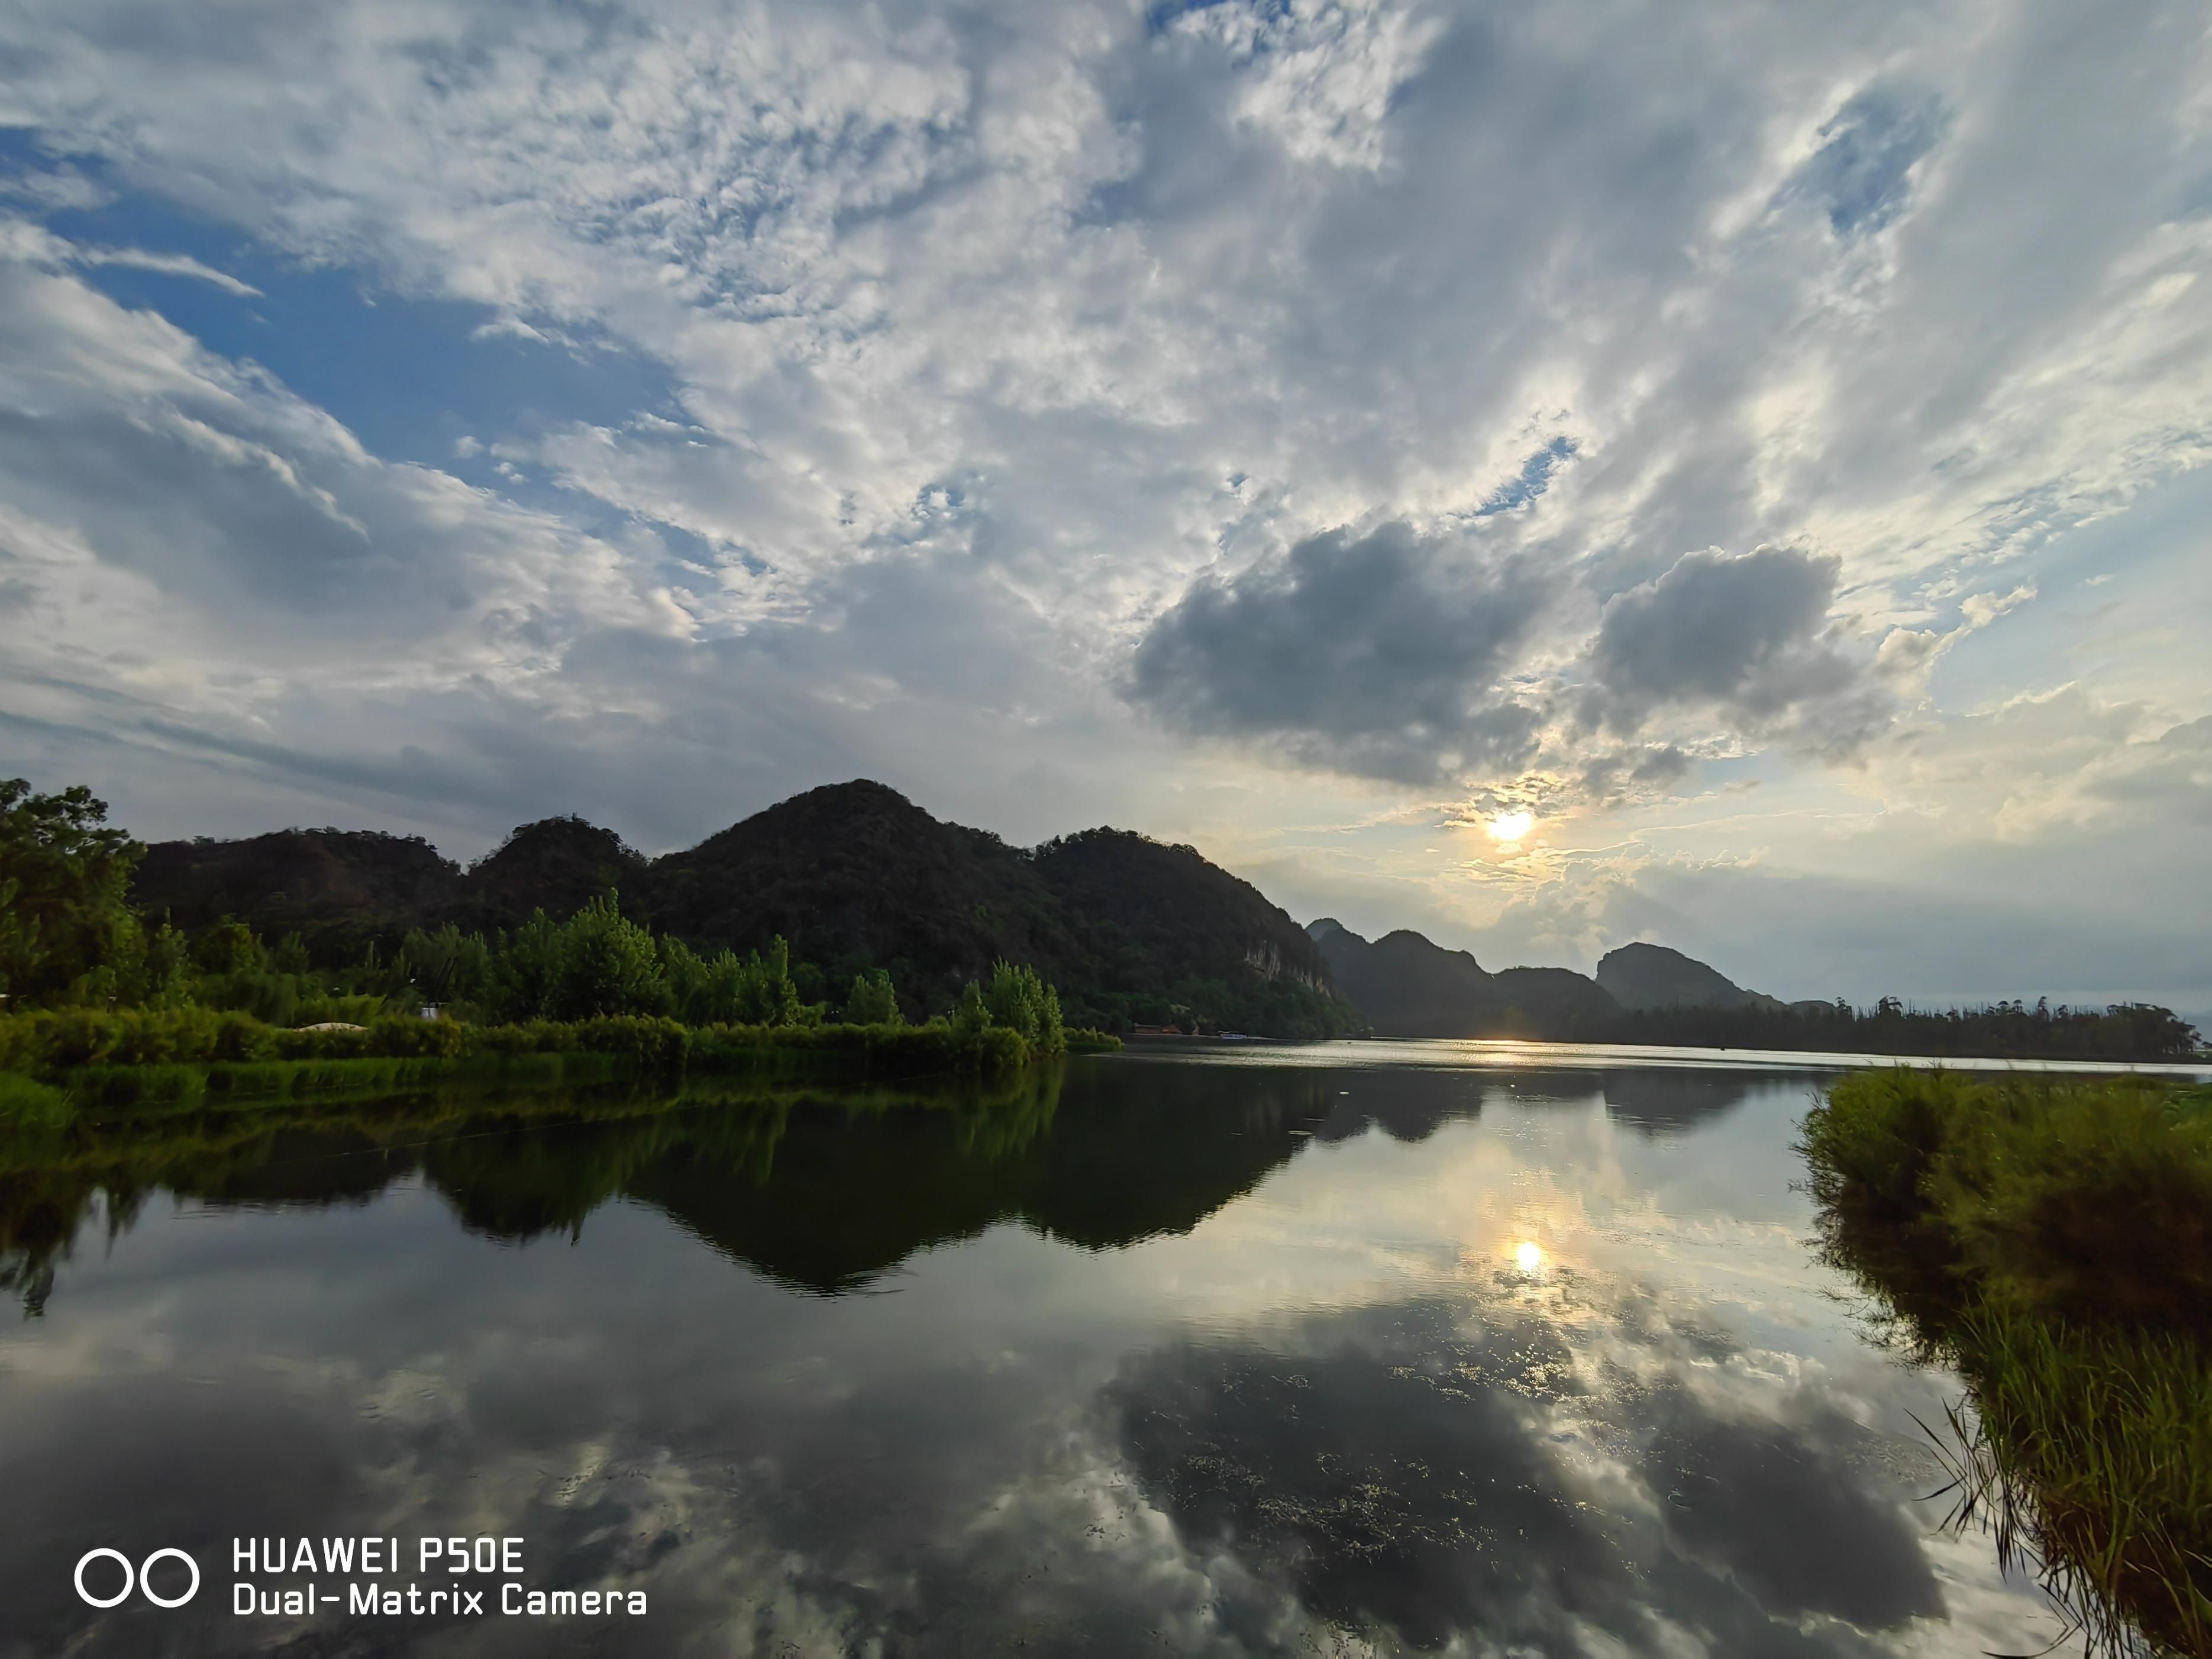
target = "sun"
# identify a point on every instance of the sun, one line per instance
(1511, 826)
(1528, 1256)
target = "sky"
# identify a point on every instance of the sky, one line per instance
(1549, 475)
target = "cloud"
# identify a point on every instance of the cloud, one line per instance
(56, 188)
(1069, 319)
(1749, 635)
(1378, 652)
(1980, 610)
(168, 265)
(181, 509)
(228, 615)
(1908, 656)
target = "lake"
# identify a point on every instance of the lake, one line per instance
(1347, 1349)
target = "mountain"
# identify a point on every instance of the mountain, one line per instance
(338, 888)
(1405, 985)
(1408, 986)
(1130, 930)
(854, 875)
(1145, 914)
(1642, 976)
(556, 865)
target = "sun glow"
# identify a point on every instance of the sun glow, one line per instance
(1528, 1256)
(1511, 826)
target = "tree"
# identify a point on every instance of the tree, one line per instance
(1017, 999)
(527, 969)
(608, 965)
(873, 1002)
(728, 989)
(446, 964)
(229, 947)
(64, 882)
(766, 992)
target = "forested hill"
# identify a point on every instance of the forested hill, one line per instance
(854, 875)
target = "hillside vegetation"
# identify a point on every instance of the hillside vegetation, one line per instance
(854, 879)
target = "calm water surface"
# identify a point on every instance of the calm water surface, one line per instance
(1267, 1353)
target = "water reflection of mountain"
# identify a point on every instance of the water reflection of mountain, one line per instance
(821, 1189)
(851, 1199)
(1670, 1102)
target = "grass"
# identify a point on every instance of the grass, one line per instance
(26, 1101)
(82, 1059)
(257, 1081)
(2090, 1452)
(2053, 1243)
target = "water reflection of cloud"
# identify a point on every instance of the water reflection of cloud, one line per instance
(1659, 1429)
(1405, 1467)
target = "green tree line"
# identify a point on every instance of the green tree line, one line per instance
(2123, 1031)
(70, 938)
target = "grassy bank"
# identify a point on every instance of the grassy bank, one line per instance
(2052, 1242)
(68, 1059)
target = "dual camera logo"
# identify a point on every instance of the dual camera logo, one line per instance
(140, 1577)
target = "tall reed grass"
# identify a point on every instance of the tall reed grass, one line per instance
(2053, 1243)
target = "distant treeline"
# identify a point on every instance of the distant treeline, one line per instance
(2016, 1030)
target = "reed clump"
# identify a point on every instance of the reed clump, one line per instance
(2052, 1242)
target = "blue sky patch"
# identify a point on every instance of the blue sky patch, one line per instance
(1860, 176)
(1534, 479)
(409, 376)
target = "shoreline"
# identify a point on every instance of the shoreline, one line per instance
(1496, 1053)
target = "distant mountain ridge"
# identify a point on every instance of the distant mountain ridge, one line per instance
(852, 875)
(1406, 985)
(1131, 930)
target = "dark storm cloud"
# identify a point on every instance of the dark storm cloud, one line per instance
(1378, 654)
(1747, 633)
